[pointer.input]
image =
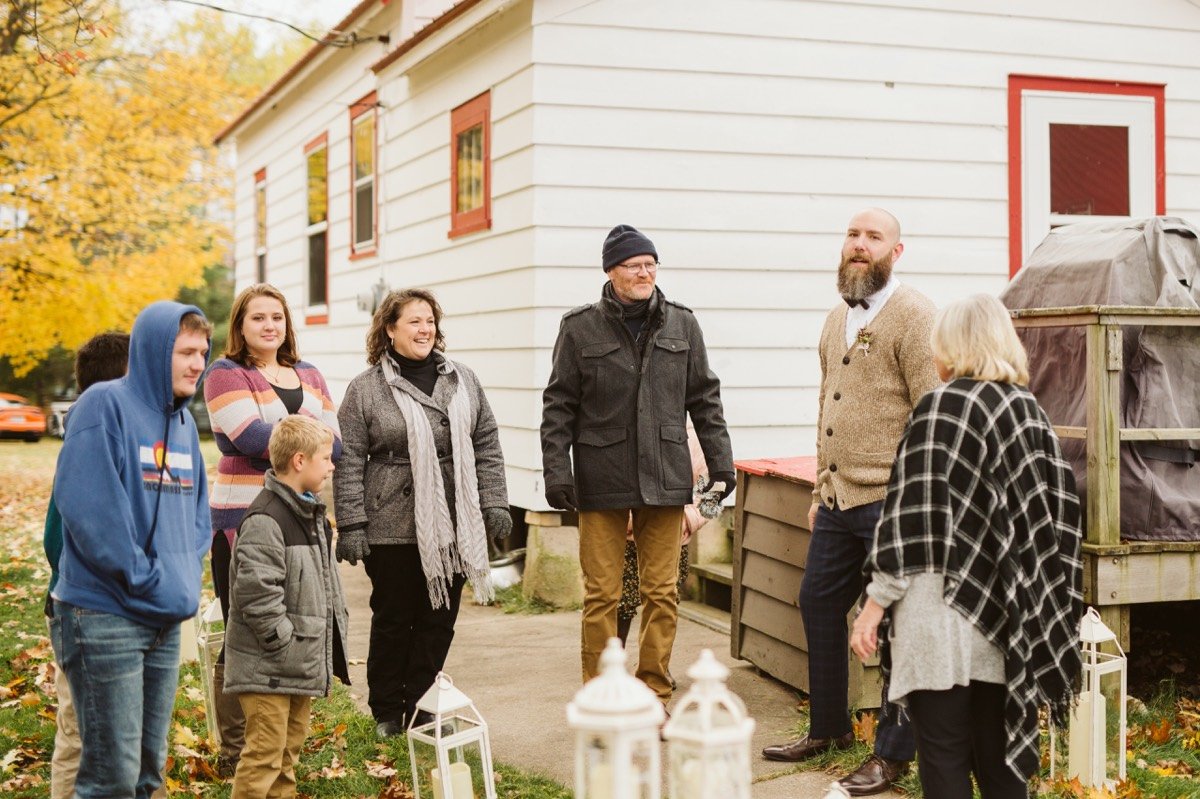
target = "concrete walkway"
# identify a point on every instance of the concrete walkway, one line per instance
(522, 670)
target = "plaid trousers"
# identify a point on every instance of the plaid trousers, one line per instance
(832, 584)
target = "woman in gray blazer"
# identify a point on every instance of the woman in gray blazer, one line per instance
(418, 490)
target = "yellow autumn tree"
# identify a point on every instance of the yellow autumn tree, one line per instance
(111, 195)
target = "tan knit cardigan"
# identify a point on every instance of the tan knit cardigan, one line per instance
(866, 397)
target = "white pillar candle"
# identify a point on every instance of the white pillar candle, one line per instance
(460, 783)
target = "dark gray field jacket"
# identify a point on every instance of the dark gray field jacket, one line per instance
(623, 414)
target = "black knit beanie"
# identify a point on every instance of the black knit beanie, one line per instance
(623, 242)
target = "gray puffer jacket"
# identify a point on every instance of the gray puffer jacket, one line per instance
(373, 483)
(623, 414)
(287, 615)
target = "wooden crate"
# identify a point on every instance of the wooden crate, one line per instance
(770, 545)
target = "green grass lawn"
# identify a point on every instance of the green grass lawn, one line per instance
(341, 758)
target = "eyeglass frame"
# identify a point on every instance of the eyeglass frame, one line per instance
(635, 269)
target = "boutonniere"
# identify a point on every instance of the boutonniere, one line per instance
(864, 340)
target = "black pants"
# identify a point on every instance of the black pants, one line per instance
(960, 731)
(409, 639)
(221, 554)
(832, 583)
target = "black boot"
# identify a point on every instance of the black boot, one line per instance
(623, 626)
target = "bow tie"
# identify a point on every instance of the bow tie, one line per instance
(865, 305)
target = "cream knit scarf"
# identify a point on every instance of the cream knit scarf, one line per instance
(444, 551)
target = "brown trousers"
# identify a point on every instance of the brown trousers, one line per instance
(276, 725)
(602, 557)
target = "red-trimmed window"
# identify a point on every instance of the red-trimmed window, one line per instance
(260, 226)
(471, 166)
(1081, 150)
(363, 236)
(316, 165)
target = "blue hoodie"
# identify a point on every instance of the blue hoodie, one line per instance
(132, 490)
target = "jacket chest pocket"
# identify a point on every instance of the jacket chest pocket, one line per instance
(669, 365)
(603, 372)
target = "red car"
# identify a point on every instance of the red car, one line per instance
(19, 419)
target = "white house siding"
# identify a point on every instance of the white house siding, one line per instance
(485, 280)
(274, 138)
(741, 136)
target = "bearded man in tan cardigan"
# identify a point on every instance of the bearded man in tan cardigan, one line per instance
(876, 362)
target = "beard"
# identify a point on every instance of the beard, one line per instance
(855, 283)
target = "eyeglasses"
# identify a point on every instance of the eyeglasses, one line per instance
(634, 269)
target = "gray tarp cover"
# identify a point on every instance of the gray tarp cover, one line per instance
(1149, 262)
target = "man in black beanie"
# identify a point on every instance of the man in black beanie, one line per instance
(628, 372)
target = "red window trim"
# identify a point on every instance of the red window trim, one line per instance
(366, 104)
(320, 141)
(316, 144)
(473, 112)
(260, 179)
(1020, 83)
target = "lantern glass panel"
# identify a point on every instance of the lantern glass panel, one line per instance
(598, 769)
(706, 773)
(645, 776)
(465, 777)
(1110, 687)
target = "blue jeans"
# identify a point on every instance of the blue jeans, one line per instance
(123, 676)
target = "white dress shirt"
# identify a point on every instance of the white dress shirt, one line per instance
(858, 317)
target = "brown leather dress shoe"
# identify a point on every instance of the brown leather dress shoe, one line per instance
(807, 747)
(875, 775)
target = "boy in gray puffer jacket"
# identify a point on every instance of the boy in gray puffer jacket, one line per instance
(287, 616)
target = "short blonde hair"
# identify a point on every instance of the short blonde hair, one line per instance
(975, 338)
(296, 434)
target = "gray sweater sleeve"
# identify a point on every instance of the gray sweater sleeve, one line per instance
(887, 589)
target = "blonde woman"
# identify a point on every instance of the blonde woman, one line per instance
(976, 565)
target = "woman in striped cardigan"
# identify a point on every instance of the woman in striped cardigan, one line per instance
(259, 381)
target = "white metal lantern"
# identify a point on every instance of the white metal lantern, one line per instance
(210, 638)
(708, 738)
(1097, 727)
(451, 756)
(616, 718)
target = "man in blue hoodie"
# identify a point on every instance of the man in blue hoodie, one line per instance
(133, 495)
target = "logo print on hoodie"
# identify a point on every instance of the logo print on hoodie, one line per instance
(175, 466)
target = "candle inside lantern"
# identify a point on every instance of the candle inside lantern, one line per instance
(1086, 738)
(690, 779)
(460, 783)
(600, 782)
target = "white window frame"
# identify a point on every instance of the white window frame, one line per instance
(1040, 109)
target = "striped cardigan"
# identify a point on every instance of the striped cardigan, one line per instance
(243, 409)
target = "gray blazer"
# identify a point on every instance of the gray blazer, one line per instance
(373, 483)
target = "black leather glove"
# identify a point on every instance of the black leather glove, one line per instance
(352, 545)
(561, 497)
(728, 478)
(497, 522)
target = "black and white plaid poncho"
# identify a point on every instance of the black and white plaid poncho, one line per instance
(980, 492)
